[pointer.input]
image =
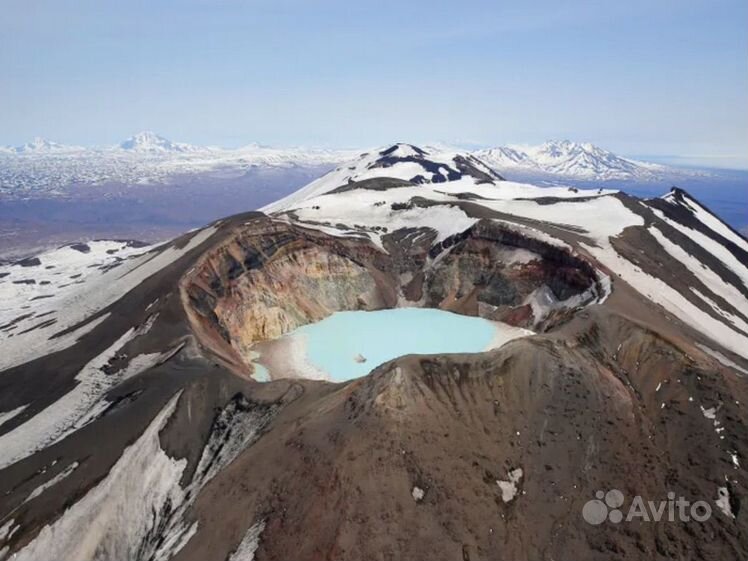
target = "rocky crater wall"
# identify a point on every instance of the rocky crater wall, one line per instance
(271, 277)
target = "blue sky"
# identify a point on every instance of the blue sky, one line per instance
(660, 78)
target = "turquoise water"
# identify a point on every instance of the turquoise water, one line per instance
(333, 344)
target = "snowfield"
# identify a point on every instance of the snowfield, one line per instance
(30, 325)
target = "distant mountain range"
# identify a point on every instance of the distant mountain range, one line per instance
(144, 141)
(574, 160)
(46, 168)
(147, 142)
(40, 146)
(43, 168)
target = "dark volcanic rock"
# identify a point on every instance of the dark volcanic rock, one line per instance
(82, 247)
(29, 262)
(374, 184)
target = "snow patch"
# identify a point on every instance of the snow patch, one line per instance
(79, 406)
(598, 218)
(723, 502)
(120, 517)
(52, 482)
(509, 488)
(710, 413)
(7, 530)
(236, 428)
(734, 458)
(722, 358)
(8, 415)
(246, 550)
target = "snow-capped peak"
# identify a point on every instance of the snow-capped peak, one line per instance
(402, 150)
(581, 160)
(505, 156)
(147, 141)
(556, 152)
(43, 146)
(398, 164)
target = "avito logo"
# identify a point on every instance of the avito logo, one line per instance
(608, 506)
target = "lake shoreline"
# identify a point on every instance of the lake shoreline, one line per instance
(350, 344)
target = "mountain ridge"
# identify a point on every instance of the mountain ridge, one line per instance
(574, 160)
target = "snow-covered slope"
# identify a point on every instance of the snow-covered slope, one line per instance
(572, 160)
(31, 283)
(402, 162)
